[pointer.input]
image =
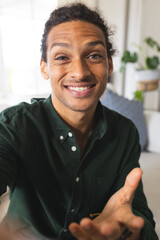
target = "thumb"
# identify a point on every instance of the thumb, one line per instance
(132, 182)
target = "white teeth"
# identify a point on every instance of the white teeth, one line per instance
(78, 89)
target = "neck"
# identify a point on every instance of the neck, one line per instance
(80, 122)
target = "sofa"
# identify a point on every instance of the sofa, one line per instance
(149, 161)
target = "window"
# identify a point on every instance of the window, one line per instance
(21, 28)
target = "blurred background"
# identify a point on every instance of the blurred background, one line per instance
(21, 27)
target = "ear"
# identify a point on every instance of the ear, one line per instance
(44, 70)
(110, 66)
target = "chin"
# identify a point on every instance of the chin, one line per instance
(82, 108)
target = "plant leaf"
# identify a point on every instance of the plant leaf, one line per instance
(158, 48)
(138, 95)
(152, 62)
(150, 42)
(129, 57)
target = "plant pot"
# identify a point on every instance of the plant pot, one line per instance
(145, 75)
(147, 80)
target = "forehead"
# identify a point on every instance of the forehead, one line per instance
(75, 31)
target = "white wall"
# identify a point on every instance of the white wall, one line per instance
(151, 27)
(133, 36)
(151, 19)
(3, 88)
(115, 13)
(90, 3)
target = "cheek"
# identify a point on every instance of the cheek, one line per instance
(101, 73)
(56, 73)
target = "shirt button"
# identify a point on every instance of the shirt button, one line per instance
(70, 134)
(77, 179)
(65, 230)
(61, 137)
(72, 210)
(73, 148)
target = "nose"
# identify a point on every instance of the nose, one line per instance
(79, 69)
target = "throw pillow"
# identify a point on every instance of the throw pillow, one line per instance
(129, 108)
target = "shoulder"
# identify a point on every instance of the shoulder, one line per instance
(16, 121)
(17, 112)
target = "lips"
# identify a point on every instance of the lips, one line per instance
(80, 90)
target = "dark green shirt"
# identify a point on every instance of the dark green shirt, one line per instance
(50, 184)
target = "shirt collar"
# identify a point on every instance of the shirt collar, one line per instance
(60, 128)
(100, 127)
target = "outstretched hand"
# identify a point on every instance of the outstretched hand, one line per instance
(116, 217)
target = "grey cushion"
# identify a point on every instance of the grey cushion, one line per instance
(129, 108)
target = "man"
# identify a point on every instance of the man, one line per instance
(66, 158)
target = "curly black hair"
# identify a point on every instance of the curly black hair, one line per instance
(73, 12)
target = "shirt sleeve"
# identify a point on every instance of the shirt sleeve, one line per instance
(8, 151)
(139, 204)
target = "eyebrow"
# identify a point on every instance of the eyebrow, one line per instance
(90, 44)
(67, 45)
(60, 44)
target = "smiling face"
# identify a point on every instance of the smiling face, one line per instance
(77, 66)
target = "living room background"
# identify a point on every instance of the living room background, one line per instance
(21, 27)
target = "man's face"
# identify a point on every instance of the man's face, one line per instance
(77, 65)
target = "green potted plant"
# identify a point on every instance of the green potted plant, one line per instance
(143, 58)
(147, 62)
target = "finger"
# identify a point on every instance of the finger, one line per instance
(106, 230)
(130, 186)
(77, 231)
(133, 178)
(92, 229)
(134, 223)
(6, 236)
(130, 221)
(112, 230)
